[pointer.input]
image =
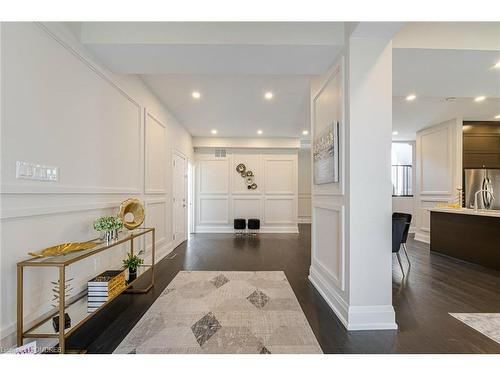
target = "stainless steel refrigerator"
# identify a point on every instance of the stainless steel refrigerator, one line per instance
(482, 179)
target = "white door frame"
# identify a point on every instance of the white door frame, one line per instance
(178, 241)
(191, 195)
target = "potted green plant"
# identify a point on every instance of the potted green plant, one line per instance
(108, 226)
(132, 262)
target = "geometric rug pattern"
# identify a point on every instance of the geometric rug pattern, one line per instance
(223, 312)
(486, 323)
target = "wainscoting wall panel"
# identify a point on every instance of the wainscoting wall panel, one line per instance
(439, 171)
(274, 202)
(155, 155)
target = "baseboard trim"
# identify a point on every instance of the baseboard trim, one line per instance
(354, 318)
(202, 229)
(367, 318)
(423, 237)
(331, 297)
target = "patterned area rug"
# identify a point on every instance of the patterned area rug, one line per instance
(223, 312)
(486, 323)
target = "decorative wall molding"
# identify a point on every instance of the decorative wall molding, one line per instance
(49, 188)
(448, 144)
(237, 199)
(15, 213)
(337, 279)
(159, 201)
(203, 164)
(279, 198)
(449, 157)
(336, 188)
(87, 62)
(211, 199)
(147, 189)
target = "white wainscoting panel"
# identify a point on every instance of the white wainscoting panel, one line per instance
(213, 176)
(304, 208)
(219, 203)
(279, 210)
(280, 175)
(328, 247)
(213, 210)
(247, 207)
(155, 155)
(156, 214)
(439, 171)
(87, 114)
(436, 172)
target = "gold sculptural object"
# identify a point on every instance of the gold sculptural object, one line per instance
(132, 206)
(64, 249)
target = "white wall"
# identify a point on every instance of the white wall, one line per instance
(108, 134)
(439, 170)
(351, 220)
(222, 196)
(304, 171)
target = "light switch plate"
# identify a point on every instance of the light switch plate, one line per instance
(32, 171)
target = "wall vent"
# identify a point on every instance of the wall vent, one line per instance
(220, 153)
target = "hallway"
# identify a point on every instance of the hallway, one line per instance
(436, 286)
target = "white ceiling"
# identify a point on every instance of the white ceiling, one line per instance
(233, 64)
(235, 104)
(445, 72)
(214, 47)
(409, 117)
(439, 60)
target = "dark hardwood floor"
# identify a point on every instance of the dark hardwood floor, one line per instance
(435, 286)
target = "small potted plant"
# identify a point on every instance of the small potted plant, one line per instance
(132, 262)
(108, 226)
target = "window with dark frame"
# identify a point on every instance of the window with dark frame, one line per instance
(402, 169)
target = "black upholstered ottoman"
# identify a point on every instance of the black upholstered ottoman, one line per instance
(254, 225)
(240, 225)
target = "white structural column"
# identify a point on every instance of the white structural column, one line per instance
(351, 260)
(370, 202)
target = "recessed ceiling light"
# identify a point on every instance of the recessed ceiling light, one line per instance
(479, 98)
(213, 131)
(411, 97)
(259, 131)
(394, 133)
(497, 65)
(305, 132)
(268, 95)
(497, 116)
(196, 95)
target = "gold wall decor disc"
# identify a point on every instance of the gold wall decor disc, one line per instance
(249, 180)
(249, 173)
(241, 168)
(132, 206)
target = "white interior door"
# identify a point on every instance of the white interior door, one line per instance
(179, 197)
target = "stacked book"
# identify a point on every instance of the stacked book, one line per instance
(103, 288)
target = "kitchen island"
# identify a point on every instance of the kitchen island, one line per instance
(466, 234)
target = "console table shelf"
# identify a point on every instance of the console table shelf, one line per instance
(76, 307)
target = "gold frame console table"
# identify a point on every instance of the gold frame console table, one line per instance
(77, 305)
